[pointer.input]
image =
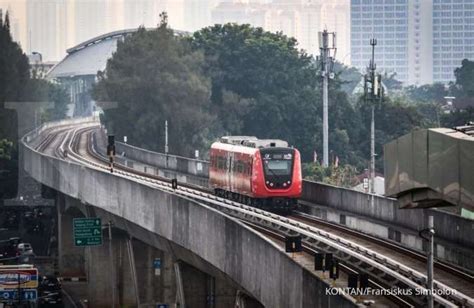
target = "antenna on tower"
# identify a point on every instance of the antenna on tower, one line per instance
(327, 66)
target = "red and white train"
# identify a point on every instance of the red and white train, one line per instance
(264, 173)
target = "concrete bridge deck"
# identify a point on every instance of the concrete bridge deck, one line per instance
(245, 257)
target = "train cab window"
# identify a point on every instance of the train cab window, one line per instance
(277, 163)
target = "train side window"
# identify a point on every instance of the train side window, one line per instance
(220, 163)
(240, 167)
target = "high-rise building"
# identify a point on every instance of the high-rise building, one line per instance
(387, 21)
(301, 19)
(453, 36)
(422, 41)
(335, 17)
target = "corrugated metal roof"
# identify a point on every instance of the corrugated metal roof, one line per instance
(86, 61)
(91, 56)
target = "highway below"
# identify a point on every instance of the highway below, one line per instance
(387, 267)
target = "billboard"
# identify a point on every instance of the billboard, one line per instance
(14, 278)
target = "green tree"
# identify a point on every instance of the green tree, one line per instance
(390, 81)
(272, 84)
(14, 67)
(393, 118)
(465, 79)
(427, 93)
(342, 176)
(6, 148)
(155, 76)
(457, 117)
(349, 77)
(14, 74)
(39, 89)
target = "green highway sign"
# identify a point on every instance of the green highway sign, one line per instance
(87, 231)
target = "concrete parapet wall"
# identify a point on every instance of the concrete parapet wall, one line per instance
(448, 226)
(256, 264)
(178, 163)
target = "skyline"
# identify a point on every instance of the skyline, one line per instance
(419, 40)
(50, 27)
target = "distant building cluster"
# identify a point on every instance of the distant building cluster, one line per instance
(301, 19)
(422, 41)
(50, 27)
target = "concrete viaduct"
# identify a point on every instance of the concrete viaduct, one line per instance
(209, 259)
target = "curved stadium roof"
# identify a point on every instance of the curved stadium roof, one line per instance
(90, 56)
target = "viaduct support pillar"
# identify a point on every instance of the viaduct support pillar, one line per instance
(111, 278)
(70, 257)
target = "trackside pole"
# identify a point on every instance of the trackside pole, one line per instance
(431, 233)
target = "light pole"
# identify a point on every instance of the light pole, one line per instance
(428, 235)
(166, 142)
(327, 63)
(373, 92)
(111, 258)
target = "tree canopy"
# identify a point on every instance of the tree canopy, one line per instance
(17, 84)
(241, 80)
(465, 78)
(261, 83)
(154, 76)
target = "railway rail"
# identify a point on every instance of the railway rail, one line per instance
(383, 270)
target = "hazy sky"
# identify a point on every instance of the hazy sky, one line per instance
(52, 26)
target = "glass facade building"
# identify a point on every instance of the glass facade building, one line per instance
(422, 41)
(387, 21)
(453, 36)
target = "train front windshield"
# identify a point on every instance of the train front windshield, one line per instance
(277, 166)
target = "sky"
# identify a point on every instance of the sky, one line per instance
(422, 41)
(51, 26)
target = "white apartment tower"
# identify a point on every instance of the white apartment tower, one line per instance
(422, 41)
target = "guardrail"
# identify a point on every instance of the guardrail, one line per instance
(449, 227)
(173, 162)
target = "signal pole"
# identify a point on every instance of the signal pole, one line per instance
(166, 142)
(327, 63)
(373, 92)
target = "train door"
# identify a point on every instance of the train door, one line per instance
(230, 170)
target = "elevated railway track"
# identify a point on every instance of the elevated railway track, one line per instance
(388, 266)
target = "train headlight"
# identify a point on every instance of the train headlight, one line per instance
(271, 184)
(289, 182)
(284, 184)
(268, 182)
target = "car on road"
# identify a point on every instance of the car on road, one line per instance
(50, 294)
(25, 249)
